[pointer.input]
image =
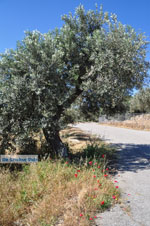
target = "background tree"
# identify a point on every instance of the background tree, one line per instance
(140, 102)
(46, 73)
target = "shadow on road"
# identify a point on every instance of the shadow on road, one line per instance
(133, 157)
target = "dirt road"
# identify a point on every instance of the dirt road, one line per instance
(133, 175)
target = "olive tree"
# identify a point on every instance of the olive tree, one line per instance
(46, 73)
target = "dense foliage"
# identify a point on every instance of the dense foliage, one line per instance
(92, 56)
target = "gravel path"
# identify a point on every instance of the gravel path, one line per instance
(133, 175)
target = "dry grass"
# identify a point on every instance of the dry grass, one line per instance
(141, 122)
(56, 192)
(77, 140)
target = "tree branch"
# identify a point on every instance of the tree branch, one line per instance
(77, 92)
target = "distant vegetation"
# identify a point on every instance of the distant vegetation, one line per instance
(141, 122)
(140, 103)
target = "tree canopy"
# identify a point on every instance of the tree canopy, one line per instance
(92, 56)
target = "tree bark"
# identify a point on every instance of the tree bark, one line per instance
(55, 144)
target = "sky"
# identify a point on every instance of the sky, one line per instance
(17, 16)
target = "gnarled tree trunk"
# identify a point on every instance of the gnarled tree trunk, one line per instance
(55, 144)
(57, 148)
